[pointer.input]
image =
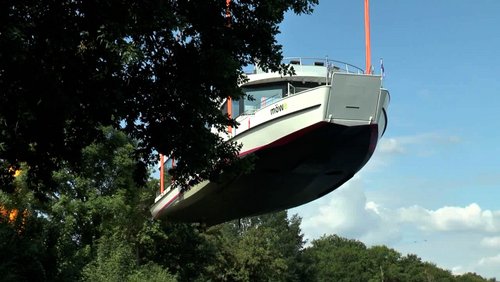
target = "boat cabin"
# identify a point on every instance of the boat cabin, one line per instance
(264, 88)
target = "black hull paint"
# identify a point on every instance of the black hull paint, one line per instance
(289, 172)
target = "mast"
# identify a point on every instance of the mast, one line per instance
(367, 37)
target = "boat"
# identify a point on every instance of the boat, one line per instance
(307, 133)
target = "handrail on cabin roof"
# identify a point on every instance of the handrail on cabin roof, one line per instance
(311, 61)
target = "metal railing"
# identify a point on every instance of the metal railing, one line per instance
(332, 65)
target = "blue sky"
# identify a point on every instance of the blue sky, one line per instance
(433, 186)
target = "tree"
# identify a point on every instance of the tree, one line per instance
(260, 248)
(183, 249)
(472, 277)
(333, 258)
(158, 69)
(103, 224)
(99, 200)
(289, 241)
(23, 239)
(385, 264)
(115, 261)
(98, 228)
(96, 222)
(24, 256)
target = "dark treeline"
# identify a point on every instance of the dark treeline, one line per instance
(98, 228)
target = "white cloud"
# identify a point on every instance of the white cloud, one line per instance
(344, 213)
(421, 145)
(495, 260)
(470, 218)
(391, 146)
(460, 238)
(467, 247)
(430, 137)
(427, 144)
(491, 242)
(347, 213)
(458, 270)
(489, 266)
(373, 207)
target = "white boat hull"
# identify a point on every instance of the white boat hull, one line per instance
(305, 145)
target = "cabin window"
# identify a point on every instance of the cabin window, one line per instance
(261, 96)
(265, 95)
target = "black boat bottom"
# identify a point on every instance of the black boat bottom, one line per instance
(289, 172)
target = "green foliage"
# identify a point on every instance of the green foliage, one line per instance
(181, 248)
(23, 242)
(151, 272)
(159, 69)
(99, 200)
(472, 277)
(94, 222)
(336, 258)
(23, 254)
(332, 258)
(98, 228)
(113, 262)
(262, 248)
(116, 261)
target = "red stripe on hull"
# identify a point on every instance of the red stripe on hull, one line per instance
(286, 139)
